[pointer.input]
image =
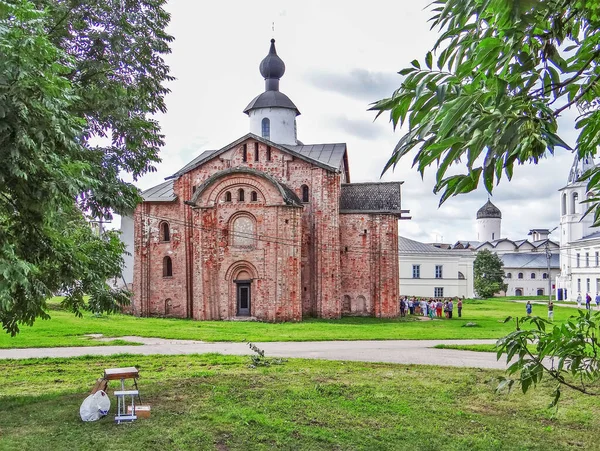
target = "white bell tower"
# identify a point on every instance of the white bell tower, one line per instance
(489, 223)
(272, 114)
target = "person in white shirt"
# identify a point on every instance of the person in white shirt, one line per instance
(579, 300)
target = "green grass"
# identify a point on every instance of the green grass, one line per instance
(213, 402)
(65, 329)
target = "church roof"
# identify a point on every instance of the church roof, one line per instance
(329, 154)
(271, 99)
(381, 198)
(525, 260)
(326, 156)
(489, 210)
(160, 193)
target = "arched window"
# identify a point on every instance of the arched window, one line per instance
(520, 275)
(253, 196)
(255, 151)
(544, 276)
(165, 234)
(242, 231)
(266, 128)
(461, 276)
(228, 196)
(304, 193)
(167, 267)
(533, 275)
(241, 195)
(574, 203)
(564, 204)
(509, 275)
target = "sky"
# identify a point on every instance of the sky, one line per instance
(339, 57)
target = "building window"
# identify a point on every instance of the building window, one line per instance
(597, 286)
(241, 195)
(244, 153)
(438, 272)
(579, 285)
(228, 196)
(509, 275)
(587, 285)
(165, 233)
(520, 275)
(577, 260)
(438, 292)
(253, 196)
(493, 236)
(304, 193)
(587, 259)
(544, 275)
(533, 275)
(268, 153)
(255, 151)
(597, 259)
(243, 231)
(167, 267)
(266, 128)
(564, 204)
(574, 203)
(416, 271)
(461, 276)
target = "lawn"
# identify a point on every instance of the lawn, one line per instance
(217, 402)
(65, 329)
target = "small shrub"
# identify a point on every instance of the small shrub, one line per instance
(259, 359)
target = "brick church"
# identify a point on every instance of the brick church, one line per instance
(267, 228)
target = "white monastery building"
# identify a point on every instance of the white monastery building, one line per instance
(428, 271)
(579, 241)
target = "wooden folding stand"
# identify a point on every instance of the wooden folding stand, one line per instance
(122, 374)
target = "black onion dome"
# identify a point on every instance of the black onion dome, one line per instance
(489, 210)
(272, 66)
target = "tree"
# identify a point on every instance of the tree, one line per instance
(491, 90)
(488, 274)
(567, 353)
(72, 72)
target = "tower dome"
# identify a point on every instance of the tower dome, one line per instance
(272, 67)
(489, 210)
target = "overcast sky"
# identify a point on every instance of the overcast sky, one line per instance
(340, 56)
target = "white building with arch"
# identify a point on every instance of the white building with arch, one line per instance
(579, 241)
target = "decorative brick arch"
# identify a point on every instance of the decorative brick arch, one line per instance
(238, 267)
(271, 189)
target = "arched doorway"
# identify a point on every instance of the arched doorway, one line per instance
(540, 291)
(361, 305)
(519, 292)
(243, 293)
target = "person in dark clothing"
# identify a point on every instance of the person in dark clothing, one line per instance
(459, 307)
(450, 308)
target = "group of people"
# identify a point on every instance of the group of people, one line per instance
(588, 301)
(433, 308)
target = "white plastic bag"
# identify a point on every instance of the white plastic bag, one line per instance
(94, 406)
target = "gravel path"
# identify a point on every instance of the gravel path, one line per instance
(419, 352)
